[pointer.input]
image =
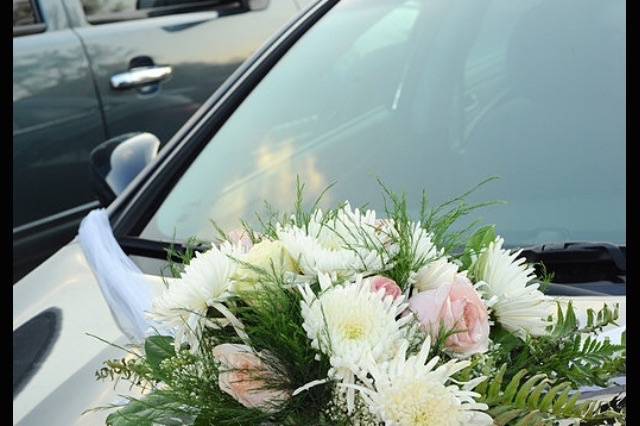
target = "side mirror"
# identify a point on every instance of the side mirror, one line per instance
(116, 162)
(255, 5)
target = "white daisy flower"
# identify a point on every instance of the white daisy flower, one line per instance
(408, 392)
(519, 308)
(205, 283)
(346, 243)
(350, 323)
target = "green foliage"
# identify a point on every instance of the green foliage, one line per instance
(545, 277)
(596, 321)
(569, 351)
(535, 399)
(157, 408)
(273, 323)
(178, 259)
(134, 370)
(300, 216)
(476, 243)
(396, 208)
(440, 219)
(157, 349)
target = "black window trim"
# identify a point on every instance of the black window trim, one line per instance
(38, 27)
(133, 209)
(223, 7)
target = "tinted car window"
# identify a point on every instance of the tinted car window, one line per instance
(98, 11)
(23, 13)
(436, 95)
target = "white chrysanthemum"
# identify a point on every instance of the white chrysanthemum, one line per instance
(422, 246)
(204, 283)
(424, 253)
(519, 307)
(346, 243)
(350, 323)
(408, 392)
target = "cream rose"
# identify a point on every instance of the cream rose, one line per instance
(242, 375)
(263, 255)
(434, 274)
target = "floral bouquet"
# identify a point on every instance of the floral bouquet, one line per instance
(343, 317)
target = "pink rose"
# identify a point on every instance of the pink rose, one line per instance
(387, 284)
(242, 376)
(459, 307)
(240, 236)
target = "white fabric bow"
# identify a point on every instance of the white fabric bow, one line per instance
(125, 288)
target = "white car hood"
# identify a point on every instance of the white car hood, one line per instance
(64, 385)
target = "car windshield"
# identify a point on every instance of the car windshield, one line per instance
(435, 95)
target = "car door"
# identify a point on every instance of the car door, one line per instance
(56, 123)
(191, 47)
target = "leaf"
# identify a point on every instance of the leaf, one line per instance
(525, 390)
(519, 403)
(533, 418)
(157, 349)
(548, 399)
(478, 241)
(535, 394)
(154, 409)
(494, 388)
(507, 341)
(506, 417)
(482, 238)
(566, 323)
(512, 387)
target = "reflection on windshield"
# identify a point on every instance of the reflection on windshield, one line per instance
(273, 173)
(433, 95)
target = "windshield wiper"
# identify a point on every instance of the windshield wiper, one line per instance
(574, 262)
(158, 249)
(581, 261)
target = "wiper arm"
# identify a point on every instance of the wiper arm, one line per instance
(570, 262)
(580, 261)
(157, 249)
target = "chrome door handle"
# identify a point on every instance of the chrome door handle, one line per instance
(140, 76)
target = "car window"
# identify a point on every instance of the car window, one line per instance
(26, 18)
(23, 13)
(437, 95)
(104, 11)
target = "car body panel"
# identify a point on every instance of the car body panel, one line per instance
(65, 281)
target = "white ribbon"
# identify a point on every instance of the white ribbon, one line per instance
(123, 285)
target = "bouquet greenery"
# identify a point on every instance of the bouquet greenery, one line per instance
(342, 317)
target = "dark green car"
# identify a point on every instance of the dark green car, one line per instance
(85, 71)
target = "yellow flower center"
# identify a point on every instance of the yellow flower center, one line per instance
(419, 405)
(353, 331)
